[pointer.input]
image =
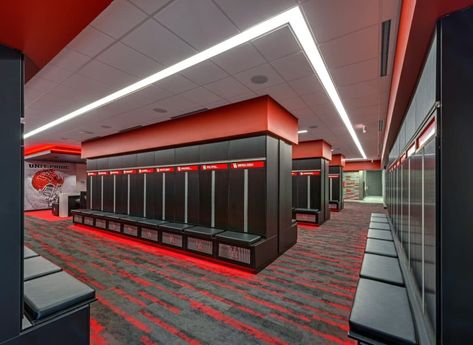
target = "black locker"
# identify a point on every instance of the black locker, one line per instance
(170, 196)
(221, 198)
(193, 200)
(108, 193)
(96, 192)
(205, 197)
(236, 199)
(121, 194)
(136, 194)
(153, 195)
(257, 201)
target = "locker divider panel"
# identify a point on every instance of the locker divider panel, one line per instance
(236, 200)
(193, 199)
(136, 194)
(257, 201)
(108, 193)
(221, 199)
(205, 197)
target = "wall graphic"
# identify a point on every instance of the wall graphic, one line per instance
(44, 181)
(351, 185)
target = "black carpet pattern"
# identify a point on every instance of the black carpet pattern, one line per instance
(150, 295)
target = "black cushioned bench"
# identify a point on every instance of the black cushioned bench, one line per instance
(28, 253)
(38, 266)
(152, 223)
(380, 247)
(175, 226)
(380, 234)
(310, 215)
(54, 293)
(382, 268)
(380, 226)
(381, 312)
(379, 220)
(238, 237)
(202, 231)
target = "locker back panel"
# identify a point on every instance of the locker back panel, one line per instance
(221, 199)
(136, 194)
(178, 202)
(193, 200)
(164, 157)
(270, 188)
(108, 193)
(235, 199)
(257, 201)
(121, 194)
(205, 197)
(170, 194)
(96, 192)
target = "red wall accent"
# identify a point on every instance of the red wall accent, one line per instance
(258, 115)
(338, 160)
(417, 23)
(54, 148)
(40, 29)
(362, 165)
(312, 149)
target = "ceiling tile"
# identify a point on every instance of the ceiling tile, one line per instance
(176, 83)
(118, 18)
(129, 60)
(246, 13)
(239, 59)
(278, 92)
(265, 70)
(307, 85)
(70, 59)
(176, 105)
(90, 41)
(204, 73)
(54, 73)
(205, 26)
(293, 66)
(150, 6)
(364, 88)
(277, 44)
(390, 9)
(227, 88)
(335, 18)
(200, 96)
(31, 95)
(363, 101)
(357, 72)
(107, 75)
(39, 84)
(155, 41)
(87, 86)
(352, 48)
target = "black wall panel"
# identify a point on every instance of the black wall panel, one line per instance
(108, 193)
(205, 197)
(136, 194)
(254, 147)
(193, 197)
(221, 199)
(270, 203)
(235, 199)
(121, 196)
(257, 202)
(96, 192)
(171, 200)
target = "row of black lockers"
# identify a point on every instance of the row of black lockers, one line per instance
(229, 185)
(337, 185)
(319, 188)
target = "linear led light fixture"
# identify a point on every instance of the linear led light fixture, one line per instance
(302, 131)
(293, 17)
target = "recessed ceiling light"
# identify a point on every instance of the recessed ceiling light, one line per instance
(302, 131)
(86, 132)
(292, 17)
(160, 110)
(259, 79)
(106, 126)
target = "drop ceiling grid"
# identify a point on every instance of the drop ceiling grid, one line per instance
(219, 98)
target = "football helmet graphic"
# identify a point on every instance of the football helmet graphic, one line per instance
(48, 183)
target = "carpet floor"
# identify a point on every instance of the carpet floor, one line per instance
(150, 295)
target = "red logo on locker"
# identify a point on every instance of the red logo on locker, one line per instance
(115, 172)
(165, 169)
(130, 171)
(146, 171)
(248, 165)
(221, 166)
(334, 176)
(92, 173)
(309, 173)
(103, 173)
(188, 168)
(294, 173)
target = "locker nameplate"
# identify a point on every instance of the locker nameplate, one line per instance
(199, 245)
(172, 239)
(149, 234)
(165, 169)
(103, 173)
(221, 166)
(130, 230)
(188, 168)
(92, 173)
(101, 223)
(130, 171)
(248, 165)
(115, 172)
(234, 253)
(334, 176)
(89, 221)
(146, 171)
(114, 226)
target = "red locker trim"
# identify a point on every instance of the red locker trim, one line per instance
(165, 169)
(247, 165)
(219, 166)
(188, 168)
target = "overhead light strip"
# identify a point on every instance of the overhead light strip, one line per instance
(293, 17)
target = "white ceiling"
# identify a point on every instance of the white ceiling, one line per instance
(132, 39)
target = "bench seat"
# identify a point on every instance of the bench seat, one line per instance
(152, 223)
(380, 247)
(38, 266)
(381, 313)
(382, 268)
(175, 226)
(28, 253)
(306, 214)
(380, 226)
(378, 214)
(55, 293)
(238, 237)
(203, 231)
(380, 234)
(379, 220)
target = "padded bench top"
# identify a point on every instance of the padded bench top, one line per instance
(380, 247)
(176, 226)
(380, 234)
(131, 218)
(152, 222)
(382, 268)
(380, 226)
(379, 220)
(378, 214)
(381, 312)
(307, 210)
(204, 231)
(241, 237)
(28, 253)
(54, 293)
(37, 267)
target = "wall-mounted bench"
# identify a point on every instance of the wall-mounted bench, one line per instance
(230, 246)
(51, 295)
(381, 312)
(306, 215)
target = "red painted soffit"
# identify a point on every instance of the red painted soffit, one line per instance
(41, 28)
(417, 23)
(71, 150)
